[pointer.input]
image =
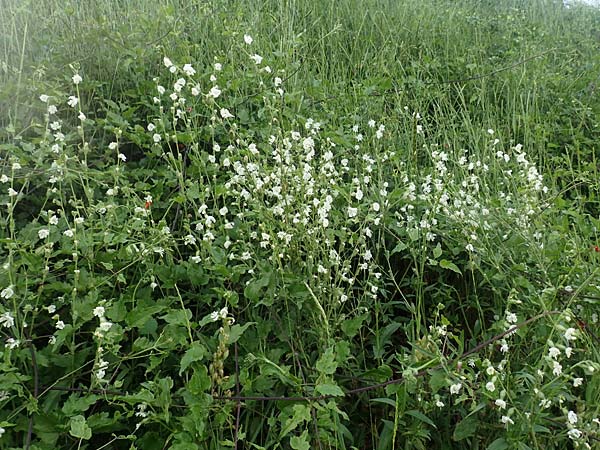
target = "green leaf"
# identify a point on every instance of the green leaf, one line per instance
(329, 389)
(300, 442)
(200, 381)
(400, 246)
(301, 413)
(379, 374)
(77, 404)
(498, 444)
(79, 428)
(253, 290)
(327, 363)
(413, 234)
(422, 417)
(437, 380)
(178, 317)
(196, 352)
(385, 401)
(445, 264)
(437, 251)
(466, 427)
(237, 330)
(350, 327)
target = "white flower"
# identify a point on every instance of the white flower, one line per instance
(72, 102)
(105, 325)
(507, 420)
(469, 247)
(77, 78)
(81, 116)
(490, 131)
(122, 157)
(189, 70)
(218, 67)
(99, 311)
(52, 109)
(12, 343)
(225, 114)
(500, 403)
(44, 98)
(60, 325)
(511, 317)
(160, 89)
(556, 369)
(439, 404)
(376, 206)
(248, 39)
(7, 320)
(167, 62)
(223, 210)
(68, 233)
(177, 88)
(277, 81)
(577, 382)
(214, 92)
(256, 58)
(151, 127)
(570, 334)
(7, 292)
(455, 388)
(574, 433)
(572, 417)
(214, 316)
(12, 192)
(490, 386)
(112, 146)
(223, 313)
(43, 233)
(568, 352)
(156, 137)
(195, 91)
(352, 212)
(553, 352)
(3, 178)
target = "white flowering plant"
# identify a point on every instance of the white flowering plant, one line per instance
(239, 253)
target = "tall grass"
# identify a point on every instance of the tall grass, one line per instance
(425, 180)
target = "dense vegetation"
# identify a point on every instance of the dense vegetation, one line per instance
(297, 224)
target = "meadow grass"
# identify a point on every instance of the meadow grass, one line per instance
(372, 223)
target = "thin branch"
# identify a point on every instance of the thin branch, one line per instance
(86, 390)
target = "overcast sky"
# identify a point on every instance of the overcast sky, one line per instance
(589, 2)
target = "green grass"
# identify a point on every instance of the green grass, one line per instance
(448, 193)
